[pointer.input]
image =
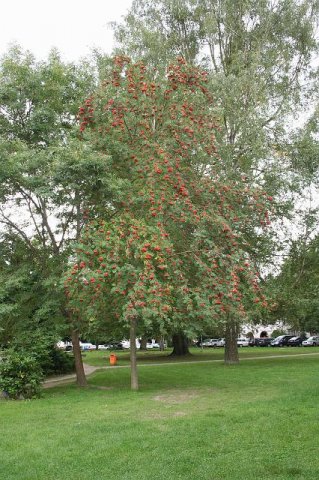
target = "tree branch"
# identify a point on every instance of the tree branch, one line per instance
(8, 222)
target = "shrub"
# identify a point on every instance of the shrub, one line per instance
(20, 375)
(57, 362)
(42, 347)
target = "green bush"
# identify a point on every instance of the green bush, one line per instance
(57, 362)
(42, 347)
(20, 375)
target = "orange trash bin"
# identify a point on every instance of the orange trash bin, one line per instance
(113, 359)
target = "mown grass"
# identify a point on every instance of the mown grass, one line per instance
(258, 420)
(101, 358)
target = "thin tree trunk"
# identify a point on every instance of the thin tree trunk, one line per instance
(79, 369)
(231, 349)
(162, 344)
(134, 376)
(143, 343)
(180, 345)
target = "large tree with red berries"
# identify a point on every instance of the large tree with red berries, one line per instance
(173, 252)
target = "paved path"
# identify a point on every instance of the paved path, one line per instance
(89, 369)
(64, 379)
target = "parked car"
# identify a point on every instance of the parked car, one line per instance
(311, 342)
(220, 342)
(242, 342)
(126, 345)
(104, 347)
(264, 341)
(152, 344)
(113, 346)
(87, 346)
(209, 342)
(67, 346)
(295, 341)
(281, 341)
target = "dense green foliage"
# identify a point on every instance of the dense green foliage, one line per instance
(295, 289)
(259, 56)
(27, 305)
(47, 177)
(175, 249)
(20, 374)
(41, 345)
(141, 156)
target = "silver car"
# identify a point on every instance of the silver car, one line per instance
(210, 342)
(311, 342)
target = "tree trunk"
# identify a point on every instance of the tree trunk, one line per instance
(134, 376)
(180, 345)
(231, 349)
(162, 344)
(79, 369)
(143, 343)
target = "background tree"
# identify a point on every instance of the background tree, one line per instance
(258, 54)
(26, 304)
(259, 57)
(295, 289)
(48, 176)
(294, 284)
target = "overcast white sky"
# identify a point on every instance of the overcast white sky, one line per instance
(73, 26)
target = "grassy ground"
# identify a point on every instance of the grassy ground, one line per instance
(101, 358)
(258, 420)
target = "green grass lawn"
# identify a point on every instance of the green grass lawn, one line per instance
(205, 421)
(101, 358)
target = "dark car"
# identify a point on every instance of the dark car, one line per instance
(296, 341)
(281, 341)
(264, 341)
(116, 346)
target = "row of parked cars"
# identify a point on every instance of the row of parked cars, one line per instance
(122, 345)
(220, 342)
(294, 341)
(281, 341)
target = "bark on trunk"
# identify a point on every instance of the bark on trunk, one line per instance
(79, 368)
(162, 344)
(134, 376)
(143, 343)
(231, 349)
(180, 345)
